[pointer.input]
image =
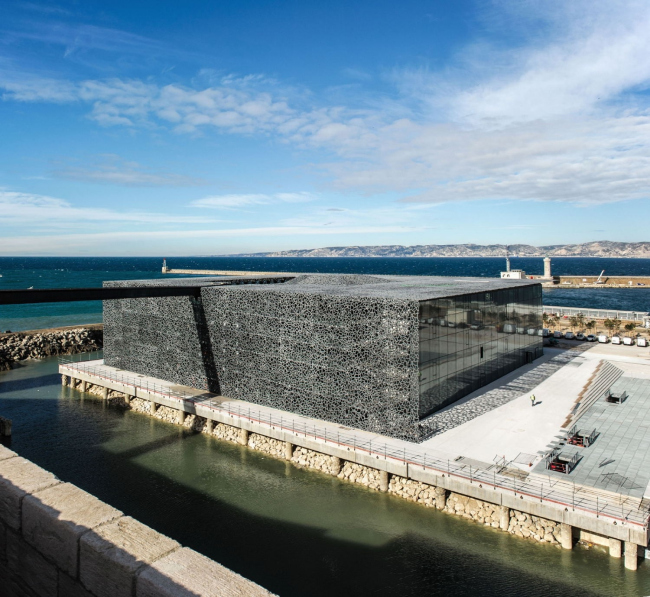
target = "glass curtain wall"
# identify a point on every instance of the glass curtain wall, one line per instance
(469, 341)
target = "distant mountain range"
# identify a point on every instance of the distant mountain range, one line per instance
(595, 249)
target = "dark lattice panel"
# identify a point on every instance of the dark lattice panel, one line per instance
(351, 360)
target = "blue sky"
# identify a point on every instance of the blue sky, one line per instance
(204, 128)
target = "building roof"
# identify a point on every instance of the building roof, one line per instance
(415, 288)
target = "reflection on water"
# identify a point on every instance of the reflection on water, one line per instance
(294, 531)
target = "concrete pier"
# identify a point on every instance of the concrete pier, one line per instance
(631, 555)
(615, 548)
(243, 437)
(288, 450)
(104, 393)
(504, 518)
(181, 417)
(566, 536)
(336, 465)
(210, 424)
(383, 480)
(154, 407)
(5, 427)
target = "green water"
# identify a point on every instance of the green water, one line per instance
(293, 531)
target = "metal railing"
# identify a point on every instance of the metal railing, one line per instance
(618, 508)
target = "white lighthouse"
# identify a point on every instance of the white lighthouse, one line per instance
(547, 267)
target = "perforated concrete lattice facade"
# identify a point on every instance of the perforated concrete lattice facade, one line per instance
(379, 353)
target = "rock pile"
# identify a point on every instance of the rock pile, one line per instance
(357, 473)
(21, 346)
(414, 491)
(320, 462)
(268, 445)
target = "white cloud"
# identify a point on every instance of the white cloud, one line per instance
(16, 207)
(556, 118)
(239, 201)
(159, 242)
(112, 169)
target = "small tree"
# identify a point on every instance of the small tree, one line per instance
(617, 324)
(590, 325)
(609, 325)
(630, 327)
(573, 322)
(580, 318)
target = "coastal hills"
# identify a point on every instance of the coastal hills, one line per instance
(593, 249)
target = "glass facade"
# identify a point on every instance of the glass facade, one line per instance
(470, 340)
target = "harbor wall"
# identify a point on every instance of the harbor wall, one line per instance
(57, 540)
(502, 511)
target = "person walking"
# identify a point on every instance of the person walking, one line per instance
(532, 400)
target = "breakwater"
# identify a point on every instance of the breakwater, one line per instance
(56, 539)
(38, 344)
(523, 518)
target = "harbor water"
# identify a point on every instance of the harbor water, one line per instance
(78, 272)
(296, 532)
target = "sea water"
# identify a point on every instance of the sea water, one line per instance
(89, 272)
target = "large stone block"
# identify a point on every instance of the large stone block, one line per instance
(6, 453)
(186, 572)
(54, 519)
(68, 587)
(3, 543)
(112, 554)
(25, 563)
(18, 478)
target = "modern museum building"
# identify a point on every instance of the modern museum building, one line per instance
(380, 353)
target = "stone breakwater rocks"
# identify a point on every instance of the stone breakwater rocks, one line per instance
(357, 473)
(268, 445)
(512, 521)
(414, 491)
(21, 346)
(317, 461)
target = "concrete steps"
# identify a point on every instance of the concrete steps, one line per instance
(603, 379)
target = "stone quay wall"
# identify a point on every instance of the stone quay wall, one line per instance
(39, 344)
(451, 500)
(56, 540)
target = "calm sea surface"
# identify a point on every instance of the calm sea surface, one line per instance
(59, 272)
(296, 532)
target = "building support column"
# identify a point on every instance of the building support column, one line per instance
(153, 407)
(615, 548)
(84, 386)
(566, 536)
(65, 380)
(73, 382)
(504, 518)
(384, 480)
(105, 393)
(288, 450)
(181, 417)
(127, 399)
(210, 425)
(336, 465)
(243, 437)
(631, 555)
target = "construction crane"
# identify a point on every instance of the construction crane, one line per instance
(600, 281)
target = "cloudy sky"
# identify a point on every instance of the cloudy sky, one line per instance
(204, 128)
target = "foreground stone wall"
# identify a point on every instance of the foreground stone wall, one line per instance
(38, 345)
(57, 540)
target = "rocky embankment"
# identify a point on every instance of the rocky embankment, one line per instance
(39, 344)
